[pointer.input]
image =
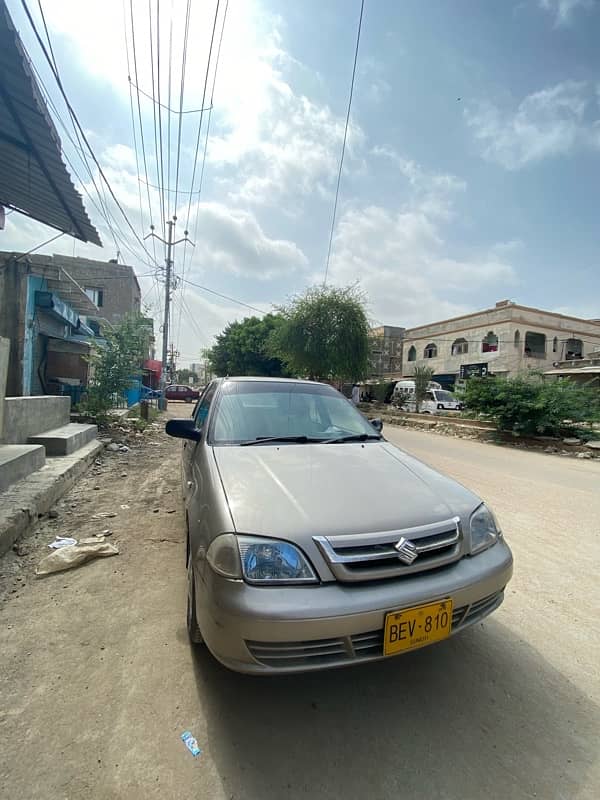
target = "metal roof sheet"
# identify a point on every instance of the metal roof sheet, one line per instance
(33, 177)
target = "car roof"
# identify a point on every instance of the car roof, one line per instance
(253, 378)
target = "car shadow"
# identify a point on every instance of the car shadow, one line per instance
(481, 715)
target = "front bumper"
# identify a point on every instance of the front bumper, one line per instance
(295, 629)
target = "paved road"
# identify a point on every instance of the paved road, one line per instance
(97, 680)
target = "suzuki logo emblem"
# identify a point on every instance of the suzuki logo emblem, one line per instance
(407, 550)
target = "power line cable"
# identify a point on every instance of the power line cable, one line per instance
(339, 177)
(135, 144)
(135, 69)
(113, 227)
(160, 135)
(212, 39)
(224, 296)
(186, 31)
(200, 183)
(169, 110)
(161, 196)
(79, 127)
(101, 197)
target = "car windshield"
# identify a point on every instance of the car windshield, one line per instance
(445, 397)
(252, 410)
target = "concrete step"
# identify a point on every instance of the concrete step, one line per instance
(22, 503)
(17, 461)
(65, 440)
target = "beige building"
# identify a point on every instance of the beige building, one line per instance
(505, 340)
(386, 350)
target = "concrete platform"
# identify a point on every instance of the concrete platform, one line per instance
(28, 416)
(21, 503)
(17, 461)
(65, 440)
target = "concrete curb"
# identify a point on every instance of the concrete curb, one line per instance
(21, 503)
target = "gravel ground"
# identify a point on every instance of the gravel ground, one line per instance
(98, 681)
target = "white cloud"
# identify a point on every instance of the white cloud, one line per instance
(562, 10)
(551, 122)
(402, 261)
(232, 240)
(296, 151)
(432, 193)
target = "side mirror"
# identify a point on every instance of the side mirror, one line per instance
(376, 423)
(183, 429)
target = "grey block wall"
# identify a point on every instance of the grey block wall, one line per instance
(28, 416)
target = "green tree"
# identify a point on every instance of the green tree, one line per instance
(530, 406)
(117, 362)
(184, 375)
(244, 348)
(422, 377)
(325, 334)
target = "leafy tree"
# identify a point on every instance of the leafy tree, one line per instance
(184, 375)
(243, 348)
(116, 363)
(383, 391)
(325, 334)
(422, 377)
(530, 406)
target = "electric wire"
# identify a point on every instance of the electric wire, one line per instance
(339, 177)
(78, 124)
(144, 159)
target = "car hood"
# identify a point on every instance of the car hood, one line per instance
(299, 491)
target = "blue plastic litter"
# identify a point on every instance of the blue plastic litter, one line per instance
(190, 743)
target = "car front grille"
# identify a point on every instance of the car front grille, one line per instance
(353, 649)
(373, 556)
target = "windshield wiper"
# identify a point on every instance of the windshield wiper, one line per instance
(355, 437)
(293, 439)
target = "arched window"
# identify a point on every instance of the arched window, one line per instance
(555, 344)
(430, 351)
(459, 347)
(490, 343)
(517, 338)
(412, 353)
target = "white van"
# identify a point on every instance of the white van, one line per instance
(436, 400)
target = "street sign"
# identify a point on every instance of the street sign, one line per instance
(473, 371)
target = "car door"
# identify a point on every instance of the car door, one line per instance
(192, 478)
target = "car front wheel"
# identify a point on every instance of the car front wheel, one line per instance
(192, 623)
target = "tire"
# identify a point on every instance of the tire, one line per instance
(192, 623)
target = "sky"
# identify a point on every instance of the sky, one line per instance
(471, 171)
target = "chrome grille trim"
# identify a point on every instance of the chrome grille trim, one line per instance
(354, 557)
(356, 648)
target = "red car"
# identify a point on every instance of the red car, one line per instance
(181, 392)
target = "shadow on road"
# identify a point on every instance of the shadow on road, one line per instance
(482, 715)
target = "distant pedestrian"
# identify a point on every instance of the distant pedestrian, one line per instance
(355, 394)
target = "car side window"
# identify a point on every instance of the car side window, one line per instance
(203, 407)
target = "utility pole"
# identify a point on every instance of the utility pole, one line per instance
(173, 354)
(162, 402)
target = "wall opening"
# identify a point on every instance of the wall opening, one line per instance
(412, 353)
(430, 351)
(573, 349)
(517, 338)
(459, 347)
(490, 343)
(535, 345)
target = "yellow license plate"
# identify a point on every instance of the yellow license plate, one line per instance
(417, 627)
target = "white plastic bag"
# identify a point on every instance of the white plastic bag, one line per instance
(76, 554)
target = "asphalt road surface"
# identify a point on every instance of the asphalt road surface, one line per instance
(98, 681)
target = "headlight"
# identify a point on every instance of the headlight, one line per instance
(259, 561)
(267, 561)
(224, 557)
(484, 531)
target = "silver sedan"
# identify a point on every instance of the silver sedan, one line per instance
(313, 542)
